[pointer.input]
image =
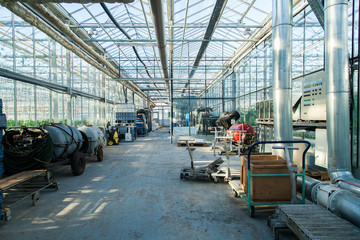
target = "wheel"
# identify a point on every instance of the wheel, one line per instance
(6, 214)
(215, 179)
(56, 185)
(236, 194)
(252, 211)
(99, 154)
(78, 163)
(110, 143)
(49, 176)
(182, 176)
(35, 198)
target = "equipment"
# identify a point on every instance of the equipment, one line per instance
(21, 186)
(112, 136)
(93, 141)
(264, 181)
(51, 145)
(226, 118)
(243, 137)
(198, 173)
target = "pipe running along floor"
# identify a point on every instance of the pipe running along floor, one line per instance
(136, 193)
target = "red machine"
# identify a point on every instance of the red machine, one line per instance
(245, 131)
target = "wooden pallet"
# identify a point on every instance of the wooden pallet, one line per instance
(21, 177)
(311, 221)
(317, 174)
(191, 144)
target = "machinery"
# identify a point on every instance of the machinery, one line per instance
(143, 122)
(94, 141)
(225, 119)
(199, 173)
(112, 136)
(30, 148)
(244, 136)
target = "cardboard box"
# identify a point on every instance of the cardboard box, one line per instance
(266, 189)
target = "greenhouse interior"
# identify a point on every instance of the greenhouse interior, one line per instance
(150, 89)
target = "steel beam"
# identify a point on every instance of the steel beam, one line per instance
(148, 41)
(318, 9)
(49, 85)
(189, 25)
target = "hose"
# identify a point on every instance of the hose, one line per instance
(26, 149)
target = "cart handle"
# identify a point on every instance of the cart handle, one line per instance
(273, 142)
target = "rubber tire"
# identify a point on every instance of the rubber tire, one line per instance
(252, 211)
(78, 163)
(100, 154)
(35, 198)
(182, 176)
(216, 179)
(235, 194)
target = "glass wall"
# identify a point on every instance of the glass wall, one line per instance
(30, 53)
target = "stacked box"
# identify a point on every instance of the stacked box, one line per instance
(125, 116)
(266, 189)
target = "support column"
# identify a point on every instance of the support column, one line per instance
(34, 75)
(282, 64)
(337, 87)
(14, 67)
(68, 84)
(55, 79)
(50, 79)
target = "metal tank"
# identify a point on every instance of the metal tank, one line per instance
(93, 140)
(67, 140)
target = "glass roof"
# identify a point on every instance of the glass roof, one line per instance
(140, 57)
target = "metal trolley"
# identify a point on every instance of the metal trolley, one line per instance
(239, 191)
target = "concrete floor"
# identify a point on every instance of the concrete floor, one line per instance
(136, 193)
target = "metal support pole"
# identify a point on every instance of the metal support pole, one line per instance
(14, 66)
(55, 79)
(50, 79)
(34, 75)
(62, 82)
(68, 84)
(282, 45)
(81, 100)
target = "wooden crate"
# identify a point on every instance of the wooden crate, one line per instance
(266, 189)
(317, 174)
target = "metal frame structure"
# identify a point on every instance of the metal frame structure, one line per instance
(194, 53)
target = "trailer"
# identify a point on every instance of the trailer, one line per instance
(24, 185)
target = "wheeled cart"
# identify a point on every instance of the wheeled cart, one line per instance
(20, 186)
(225, 173)
(198, 173)
(267, 182)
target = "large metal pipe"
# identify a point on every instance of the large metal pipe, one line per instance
(341, 202)
(337, 95)
(282, 40)
(213, 22)
(157, 11)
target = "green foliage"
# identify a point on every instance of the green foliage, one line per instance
(250, 117)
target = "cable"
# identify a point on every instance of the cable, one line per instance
(26, 149)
